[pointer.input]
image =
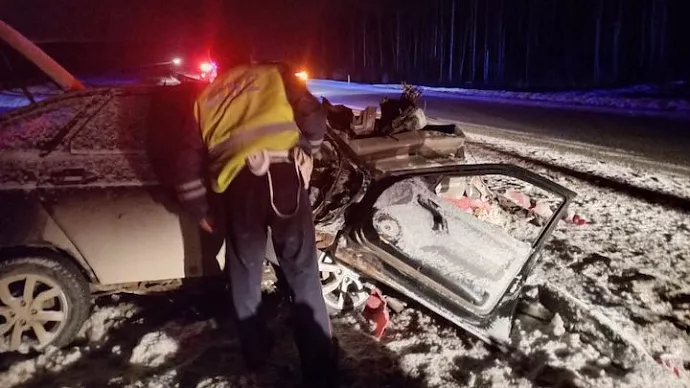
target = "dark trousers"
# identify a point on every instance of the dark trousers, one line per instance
(249, 214)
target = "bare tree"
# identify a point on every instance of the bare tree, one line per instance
(451, 50)
(597, 42)
(486, 43)
(474, 40)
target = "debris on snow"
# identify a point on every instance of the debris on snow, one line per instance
(471, 205)
(376, 310)
(674, 363)
(518, 198)
(577, 220)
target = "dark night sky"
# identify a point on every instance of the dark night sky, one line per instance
(547, 42)
(151, 30)
(107, 20)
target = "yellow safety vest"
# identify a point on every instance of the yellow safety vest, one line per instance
(242, 112)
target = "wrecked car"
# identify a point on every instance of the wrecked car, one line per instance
(83, 212)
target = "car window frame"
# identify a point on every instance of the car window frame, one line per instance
(363, 224)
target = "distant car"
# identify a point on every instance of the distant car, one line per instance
(83, 212)
(207, 70)
(187, 69)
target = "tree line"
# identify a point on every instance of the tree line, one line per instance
(540, 44)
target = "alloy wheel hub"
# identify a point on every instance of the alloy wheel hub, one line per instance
(342, 288)
(33, 311)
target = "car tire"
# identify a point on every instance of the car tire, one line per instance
(45, 276)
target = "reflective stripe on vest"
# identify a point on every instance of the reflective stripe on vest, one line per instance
(242, 112)
(245, 138)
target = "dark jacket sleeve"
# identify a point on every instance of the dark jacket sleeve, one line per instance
(309, 114)
(180, 155)
(190, 178)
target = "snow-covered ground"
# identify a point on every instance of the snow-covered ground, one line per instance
(631, 261)
(628, 266)
(640, 99)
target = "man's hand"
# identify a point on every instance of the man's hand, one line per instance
(207, 224)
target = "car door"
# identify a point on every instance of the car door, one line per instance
(103, 191)
(460, 240)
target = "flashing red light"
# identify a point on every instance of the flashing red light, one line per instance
(206, 67)
(209, 70)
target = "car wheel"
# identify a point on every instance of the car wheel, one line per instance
(43, 301)
(343, 290)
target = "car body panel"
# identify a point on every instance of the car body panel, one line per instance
(407, 143)
(469, 257)
(96, 181)
(367, 252)
(128, 234)
(24, 222)
(437, 144)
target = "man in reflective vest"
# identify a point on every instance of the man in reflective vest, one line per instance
(256, 128)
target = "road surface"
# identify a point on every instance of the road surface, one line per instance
(660, 142)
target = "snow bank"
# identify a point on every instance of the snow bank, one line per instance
(416, 350)
(632, 174)
(639, 98)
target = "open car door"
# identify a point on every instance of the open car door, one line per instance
(452, 239)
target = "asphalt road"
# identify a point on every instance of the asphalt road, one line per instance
(659, 142)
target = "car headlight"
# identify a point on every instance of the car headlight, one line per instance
(303, 75)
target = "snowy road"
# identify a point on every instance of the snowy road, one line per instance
(650, 141)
